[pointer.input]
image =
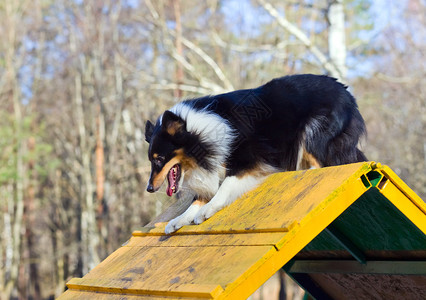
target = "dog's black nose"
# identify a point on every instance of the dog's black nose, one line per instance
(150, 188)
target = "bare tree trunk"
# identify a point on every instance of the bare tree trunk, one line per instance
(2, 254)
(100, 179)
(99, 153)
(179, 48)
(89, 232)
(34, 280)
(14, 98)
(57, 236)
(337, 36)
(7, 240)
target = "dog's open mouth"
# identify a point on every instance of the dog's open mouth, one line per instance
(173, 178)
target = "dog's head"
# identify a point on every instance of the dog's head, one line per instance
(167, 140)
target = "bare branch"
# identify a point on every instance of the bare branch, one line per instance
(204, 81)
(210, 62)
(183, 87)
(284, 23)
(248, 49)
(402, 79)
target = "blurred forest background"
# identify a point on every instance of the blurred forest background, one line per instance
(78, 80)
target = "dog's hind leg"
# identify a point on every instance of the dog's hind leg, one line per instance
(333, 141)
(307, 161)
(186, 218)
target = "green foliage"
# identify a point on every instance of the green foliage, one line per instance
(15, 135)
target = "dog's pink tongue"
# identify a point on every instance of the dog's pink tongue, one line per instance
(171, 181)
(169, 191)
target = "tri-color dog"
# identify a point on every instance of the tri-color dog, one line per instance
(216, 148)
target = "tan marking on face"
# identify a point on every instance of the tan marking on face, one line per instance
(159, 178)
(186, 163)
(155, 155)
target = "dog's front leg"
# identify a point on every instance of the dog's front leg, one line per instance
(231, 188)
(186, 218)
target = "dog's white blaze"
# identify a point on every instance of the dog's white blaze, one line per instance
(231, 189)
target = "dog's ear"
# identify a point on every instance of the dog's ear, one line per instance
(149, 129)
(172, 123)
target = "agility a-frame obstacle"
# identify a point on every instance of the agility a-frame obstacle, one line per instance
(354, 231)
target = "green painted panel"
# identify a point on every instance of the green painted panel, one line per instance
(323, 242)
(374, 177)
(373, 223)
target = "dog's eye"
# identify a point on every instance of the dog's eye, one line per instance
(159, 160)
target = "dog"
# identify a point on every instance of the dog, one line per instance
(217, 148)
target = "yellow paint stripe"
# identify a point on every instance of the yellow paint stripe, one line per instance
(245, 239)
(405, 205)
(116, 287)
(73, 294)
(404, 188)
(159, 231)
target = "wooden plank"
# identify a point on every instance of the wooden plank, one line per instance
(116, 287)
(77, 294)
(158, 230)
(242, 239)
(168, 269)
(371, 286)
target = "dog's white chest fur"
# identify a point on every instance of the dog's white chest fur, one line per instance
(204, 183)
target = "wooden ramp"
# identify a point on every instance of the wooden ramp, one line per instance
(333, 229)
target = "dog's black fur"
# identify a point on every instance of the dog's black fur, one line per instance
(275, 125)
(279, 112)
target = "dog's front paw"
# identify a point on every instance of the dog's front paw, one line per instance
(205, 213)
(170, 227)
(176, 224)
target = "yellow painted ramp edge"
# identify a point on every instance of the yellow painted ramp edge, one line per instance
(184, 290)
(403, 197)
